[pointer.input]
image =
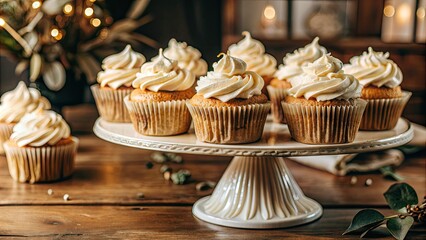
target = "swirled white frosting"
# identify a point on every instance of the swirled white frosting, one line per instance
(16, 103)
(39, 128)
(230, 80)
(325, 80)
(163, 74)
(187, 57)
(374, 68)
(120, 69)
(253, 53)
(293, 62)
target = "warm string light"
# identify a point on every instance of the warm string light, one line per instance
(54, 32)
(389, 11)
(88, 11)
(68, 8)
(269, 12)
(36, 4)
(96, 22)
(403, 13)
(2, 22)
(420, 13)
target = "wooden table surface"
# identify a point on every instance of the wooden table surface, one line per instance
(104, 200)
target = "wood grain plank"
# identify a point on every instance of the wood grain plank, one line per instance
(101, 222)
(111, 174)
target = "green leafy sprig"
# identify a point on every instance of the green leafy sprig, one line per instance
(400, 197)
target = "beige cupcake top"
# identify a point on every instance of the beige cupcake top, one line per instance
(325, 80)
(293, 62)
(187, 57)
(230, 80)
(375, 68)
(39, 128)
(253, 53)
(120, 69)
(163, 74)
(16, 103)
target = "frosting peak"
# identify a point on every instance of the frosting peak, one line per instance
(163, 74)
(375, 68)
(120, 69)
(293, 62)
(16, 103)
(188, 57)
(230, 80)
(325, 80)
(253, 53)
(40, 128)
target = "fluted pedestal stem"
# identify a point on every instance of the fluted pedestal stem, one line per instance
(257, 192)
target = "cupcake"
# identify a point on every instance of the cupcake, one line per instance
(115, 82)
(157, 104)
(187, 57)
(381, 78)
(324, 104)
(229, 106)
(291, 68)
(253, 53)
(14, 105)
(41, 148)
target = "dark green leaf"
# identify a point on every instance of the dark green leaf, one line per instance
(399, 195)
(370, 228)
(365, 219)
(388, 172)
(399, 227)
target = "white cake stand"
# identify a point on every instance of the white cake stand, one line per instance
(257, 190)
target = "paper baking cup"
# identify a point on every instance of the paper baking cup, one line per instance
(383, 114)
(323, 124)
(229, 125)
(41, 164)
(110, 103)
(276, 95)
(159, 118)
(5, 132)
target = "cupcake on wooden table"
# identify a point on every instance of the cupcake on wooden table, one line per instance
(14, 105)
(115, 82)
(324, 104)
(381, 78)
(157, 104)
(253, 53)
(41, 148)
(187, 57)
(291, 68)
(229, 106)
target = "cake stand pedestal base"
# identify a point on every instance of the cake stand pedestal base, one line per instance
(257, 193)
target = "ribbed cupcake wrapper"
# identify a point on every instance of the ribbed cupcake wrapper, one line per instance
(110, 103)
(276, 95)
(41, 164)
(6, 130)
(383, 114)
(159, 118)
(324, 124)
(229, 125)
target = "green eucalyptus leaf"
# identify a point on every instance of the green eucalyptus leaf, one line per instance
(399, 227)
(399, 195)
(388, 172)
(365, 219)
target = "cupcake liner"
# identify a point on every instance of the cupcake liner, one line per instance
(41, 164)
(383, 114)
(110, 103)
(229, 125)
(323, 124)
(276, 95)
(159, 118)
(6, 130)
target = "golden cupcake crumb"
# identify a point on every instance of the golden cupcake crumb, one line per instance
(200, 101)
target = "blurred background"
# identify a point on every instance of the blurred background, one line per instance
(77, 35)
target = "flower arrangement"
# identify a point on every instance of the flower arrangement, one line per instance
(52, 36)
